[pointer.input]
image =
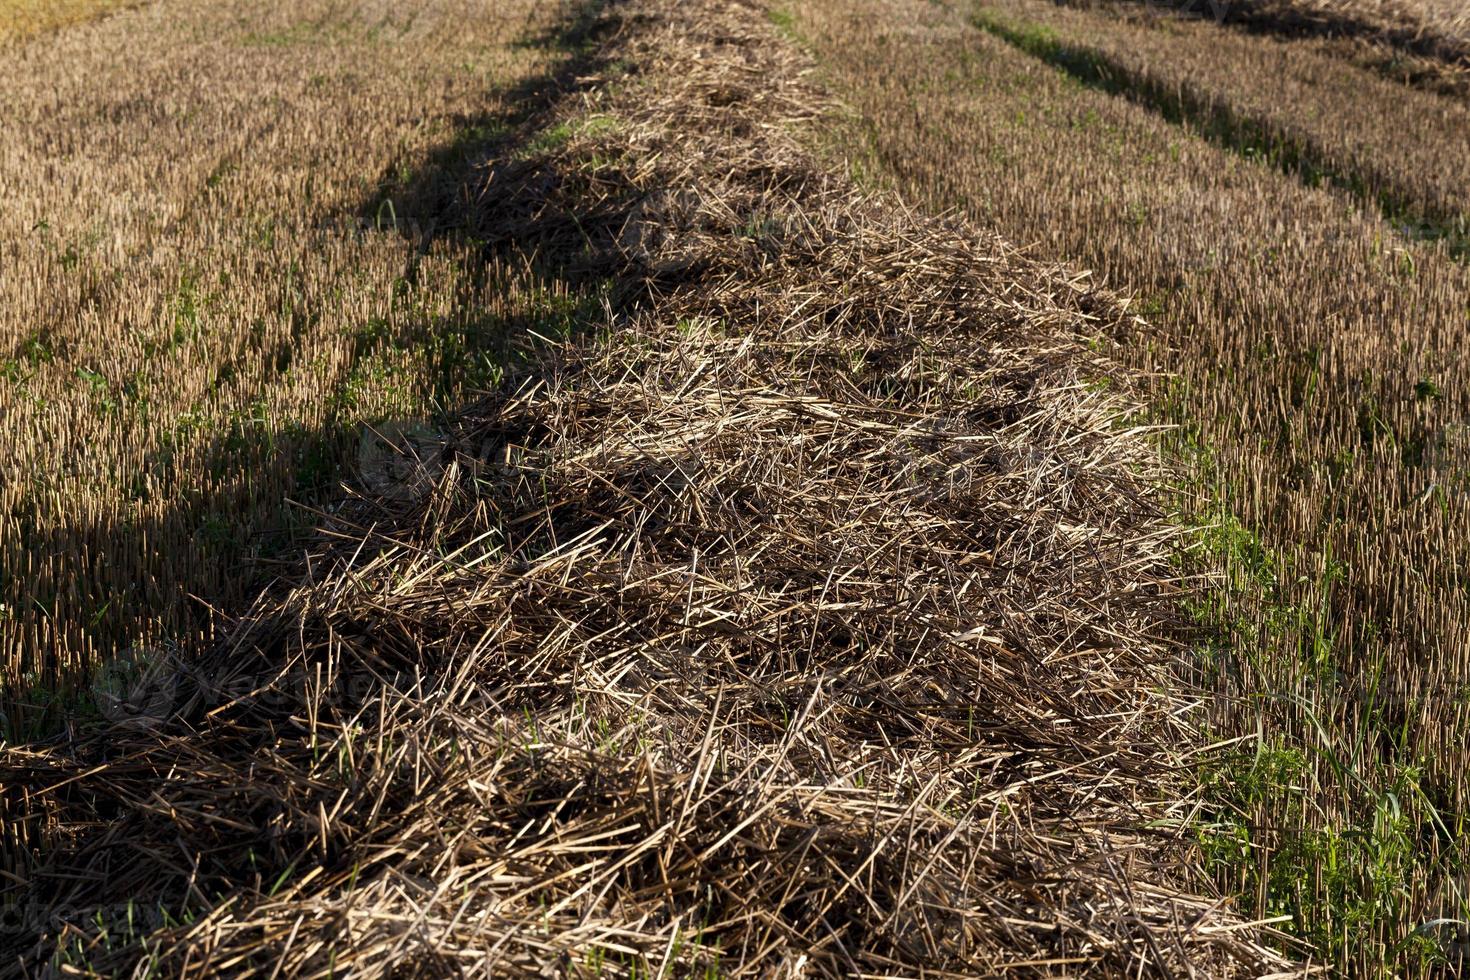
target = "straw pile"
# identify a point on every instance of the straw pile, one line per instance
(804, 616)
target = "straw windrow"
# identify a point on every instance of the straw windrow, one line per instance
(803, 613)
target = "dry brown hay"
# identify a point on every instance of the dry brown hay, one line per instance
(804, 617)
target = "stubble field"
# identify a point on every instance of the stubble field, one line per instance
(20, 19)
(215, 274)
(475, 467)
(1286, 221)
(671, 487)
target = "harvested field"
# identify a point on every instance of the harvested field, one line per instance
(23, 18)
(802, 607)
(1436, 28)
(1311, 350)
(1419, 41)
(1423, 45)
(1296, 109)
(206, 295)
(656, 488)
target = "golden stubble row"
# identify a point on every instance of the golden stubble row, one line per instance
(203, 292)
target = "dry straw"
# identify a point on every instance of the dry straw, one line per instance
(802, 617)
